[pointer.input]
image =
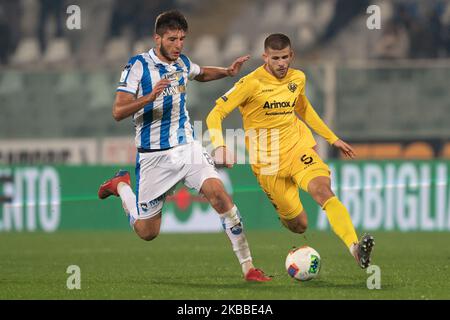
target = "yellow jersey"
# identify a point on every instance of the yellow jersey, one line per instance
(269, 108)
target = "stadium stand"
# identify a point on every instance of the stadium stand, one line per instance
(81, 68)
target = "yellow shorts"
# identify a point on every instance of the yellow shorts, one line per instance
(282, 190)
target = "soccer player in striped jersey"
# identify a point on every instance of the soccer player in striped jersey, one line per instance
(270, 99)
(152, 90)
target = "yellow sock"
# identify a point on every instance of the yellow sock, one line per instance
(340, 221)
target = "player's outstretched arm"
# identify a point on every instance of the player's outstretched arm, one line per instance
(126, 103)
(235, 97)
(215, 73)
(305, 110)
(221, 155)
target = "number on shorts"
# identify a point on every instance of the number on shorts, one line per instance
(306, 160)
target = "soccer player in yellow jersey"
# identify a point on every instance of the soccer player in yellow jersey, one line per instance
(280, 146)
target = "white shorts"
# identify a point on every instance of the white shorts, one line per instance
(159, 172)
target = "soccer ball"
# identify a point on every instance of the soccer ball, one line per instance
(303, 263)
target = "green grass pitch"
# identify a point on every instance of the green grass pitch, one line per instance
(118, 265)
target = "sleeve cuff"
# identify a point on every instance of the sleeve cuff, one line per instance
(122, 89)
(333, 140)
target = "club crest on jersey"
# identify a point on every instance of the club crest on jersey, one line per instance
(144, 206)
(292, 87)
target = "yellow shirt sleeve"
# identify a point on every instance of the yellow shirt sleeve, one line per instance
(237, 96)
(305, 110)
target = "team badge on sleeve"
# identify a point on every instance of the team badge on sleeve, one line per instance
(225, 96)
(124, 75)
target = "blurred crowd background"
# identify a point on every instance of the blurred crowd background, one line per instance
(373, 86)
(34, 31)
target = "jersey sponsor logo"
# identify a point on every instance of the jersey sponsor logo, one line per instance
(170, 91)
(145, 206)
(153, 203)
(292, 86)
(276, 104)
(267, 90)
(278, 113)
(173, 76)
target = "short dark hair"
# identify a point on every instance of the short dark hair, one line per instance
(170, 20)
(277, 41)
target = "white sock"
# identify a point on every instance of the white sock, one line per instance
(128, 201)
(231, 222)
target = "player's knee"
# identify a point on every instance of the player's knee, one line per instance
(146, 230)
(299, 228)
(298, 224)
(148, 235)
(322, 193)
(220, 201)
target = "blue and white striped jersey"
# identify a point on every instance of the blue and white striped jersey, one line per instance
(164, 123)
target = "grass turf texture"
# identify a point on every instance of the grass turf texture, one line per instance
(118, 265)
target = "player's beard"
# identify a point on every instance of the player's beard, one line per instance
(165, 53)
(279, 74)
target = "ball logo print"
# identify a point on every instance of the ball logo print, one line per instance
(303, 263)
(315, 263)
(178, 158)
